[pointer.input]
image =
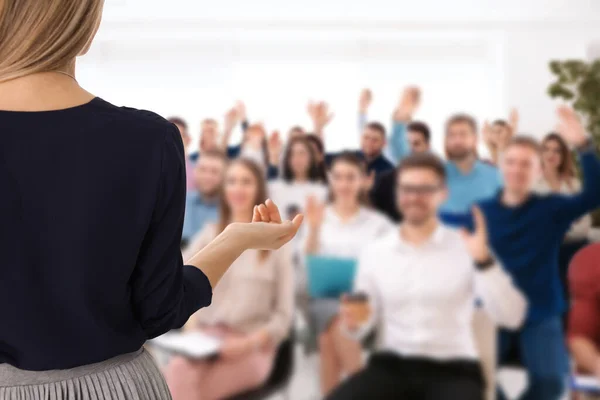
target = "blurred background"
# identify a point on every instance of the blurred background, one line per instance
(195, 58)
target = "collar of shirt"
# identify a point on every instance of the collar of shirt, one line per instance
(436, 239)
(453, 169)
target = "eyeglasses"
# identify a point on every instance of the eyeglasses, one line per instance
(420, 190)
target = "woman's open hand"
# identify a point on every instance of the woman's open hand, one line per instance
(267, 231)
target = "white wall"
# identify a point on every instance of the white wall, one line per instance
(194, 58)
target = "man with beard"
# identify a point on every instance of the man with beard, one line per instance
(202, 202)
(469, 179)
(417, 285)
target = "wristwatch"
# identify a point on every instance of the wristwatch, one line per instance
(485, 264)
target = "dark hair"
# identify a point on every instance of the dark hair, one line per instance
(461, 119)
(376, 126)
(420, 127)
(525, 141)
(500, 122)
(178, 121)
(311, 137)
(351, 158)
(313, 168)
(427, 161)
(261, 195)
(566, 169)
(321, 167)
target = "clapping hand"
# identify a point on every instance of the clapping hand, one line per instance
(477, 241)
(570, 127)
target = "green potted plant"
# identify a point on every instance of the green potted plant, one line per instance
(578, 82)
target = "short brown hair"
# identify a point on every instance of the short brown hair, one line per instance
(427, 161)
(377, 127)
(462, 119)
(525, 141)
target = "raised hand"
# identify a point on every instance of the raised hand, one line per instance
(240, 108)
(477, 241)
(275, 145)
(409, 102)
(366, 97)
(231, 120)
(488, 136)
(320, 115)
(513, 121)
(315, 211)
(570, 127)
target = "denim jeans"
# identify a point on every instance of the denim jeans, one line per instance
(544, 357)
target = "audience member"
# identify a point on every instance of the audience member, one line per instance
(559, 176)
(319, 148)
(186, 139)
(526, 231)
(421, 308)
(299, 178)
(295, 131)
(497, 135)
(209, 138)
(201, 205)
(584, 314)
(469, 179)
(252, 309)
(340, 229)
(373, 140)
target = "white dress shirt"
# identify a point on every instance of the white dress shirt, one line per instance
(423, 297)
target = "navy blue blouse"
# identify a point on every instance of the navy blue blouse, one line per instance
(91, 213)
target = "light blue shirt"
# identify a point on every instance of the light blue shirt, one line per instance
(464, 190)
(482, 182)
(197, 213)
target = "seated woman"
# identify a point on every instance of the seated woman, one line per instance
(340, 229)
(252, 308)
(559, 176)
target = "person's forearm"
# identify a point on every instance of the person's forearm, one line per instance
(312, 241)
(585, 353)
(216, 257)
(398, 144)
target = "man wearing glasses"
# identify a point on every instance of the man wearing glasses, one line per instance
(420, 283)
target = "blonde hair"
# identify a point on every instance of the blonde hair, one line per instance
(44, 35)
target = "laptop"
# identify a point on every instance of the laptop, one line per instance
(329, 277)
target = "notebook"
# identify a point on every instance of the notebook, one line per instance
(585, 383)
(329, 277)
(196, 345)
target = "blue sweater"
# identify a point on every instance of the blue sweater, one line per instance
(526, 239)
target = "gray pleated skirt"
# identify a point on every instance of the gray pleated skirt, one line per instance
(132, 376)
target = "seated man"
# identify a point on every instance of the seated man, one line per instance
(421, 281)
(202, 202)
(584, 316)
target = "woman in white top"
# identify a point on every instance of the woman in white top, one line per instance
(299, 178)
(341, 229)
(252, 308)
(559, 176)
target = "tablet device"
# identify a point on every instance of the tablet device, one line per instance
(329, 277)
(585, 384)
(195, 345)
